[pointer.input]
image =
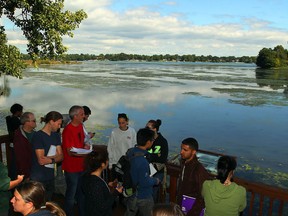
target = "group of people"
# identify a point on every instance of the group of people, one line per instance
(205, 194)
(37, 152)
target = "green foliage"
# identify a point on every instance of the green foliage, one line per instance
(10, 57)
(272, 58)
(160, 57)
(43, 23)
(11, 63)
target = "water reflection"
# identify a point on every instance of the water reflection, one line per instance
(276, 79)
(223, 106)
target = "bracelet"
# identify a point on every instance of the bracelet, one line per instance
(53, 161)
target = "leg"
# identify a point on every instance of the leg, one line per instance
(145, 206)
(49, 188)
(131, 206)
(71, 188)
(156, 188)
(80, 198)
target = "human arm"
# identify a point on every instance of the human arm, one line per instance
(16, 182)
(110, 147)
(115, 186)
(59, 155)
(134, 138)
(141, 173)
(91, 134)
(41, 158)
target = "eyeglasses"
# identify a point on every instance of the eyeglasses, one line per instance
(34, 120)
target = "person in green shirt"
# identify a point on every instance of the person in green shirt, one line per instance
(5, 185)
(222, 196)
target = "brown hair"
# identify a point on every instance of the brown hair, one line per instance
(155, 123)
(123, 115)
(53, 115)
(32, 191)
(94, 160)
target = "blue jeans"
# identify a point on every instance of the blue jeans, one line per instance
(144, 206)
(74, 192)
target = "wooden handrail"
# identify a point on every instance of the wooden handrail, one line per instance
(263, 198)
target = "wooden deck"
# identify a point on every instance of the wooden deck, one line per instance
(263, 199)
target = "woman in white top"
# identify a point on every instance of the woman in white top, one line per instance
(121, 139)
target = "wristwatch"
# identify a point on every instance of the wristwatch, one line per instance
(53, 160)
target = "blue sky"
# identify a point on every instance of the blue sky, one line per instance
(204, 27)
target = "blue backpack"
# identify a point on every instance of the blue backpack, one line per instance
(122, 171)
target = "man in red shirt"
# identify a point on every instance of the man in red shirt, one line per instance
(73, 164)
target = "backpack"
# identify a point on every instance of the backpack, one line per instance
(122, 171)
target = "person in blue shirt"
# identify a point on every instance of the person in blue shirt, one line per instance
(142, 200)
(46, 151)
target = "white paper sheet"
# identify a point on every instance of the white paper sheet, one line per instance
(51, 152)
(80, 150)
(152, 169)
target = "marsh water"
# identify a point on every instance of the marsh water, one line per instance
(232, 108)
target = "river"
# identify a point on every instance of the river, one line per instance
(231, 108)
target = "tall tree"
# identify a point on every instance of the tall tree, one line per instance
(268, 58)
(43, 23)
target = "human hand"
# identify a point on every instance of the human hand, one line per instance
(20, 178)
(112, 184)
(119, 188)
(91, 134)
(86, 146)
(44, 160)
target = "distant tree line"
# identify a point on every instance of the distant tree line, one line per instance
(272, 58)
(149, 58)
(267, 58)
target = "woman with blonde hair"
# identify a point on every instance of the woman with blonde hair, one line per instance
(29, 199)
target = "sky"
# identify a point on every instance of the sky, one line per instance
(205, 27)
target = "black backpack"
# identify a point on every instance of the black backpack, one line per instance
(122, 169)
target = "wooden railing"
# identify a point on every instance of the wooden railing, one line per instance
(262, 199)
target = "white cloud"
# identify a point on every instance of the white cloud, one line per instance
(144, 31)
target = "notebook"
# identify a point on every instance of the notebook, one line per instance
(187, 204)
